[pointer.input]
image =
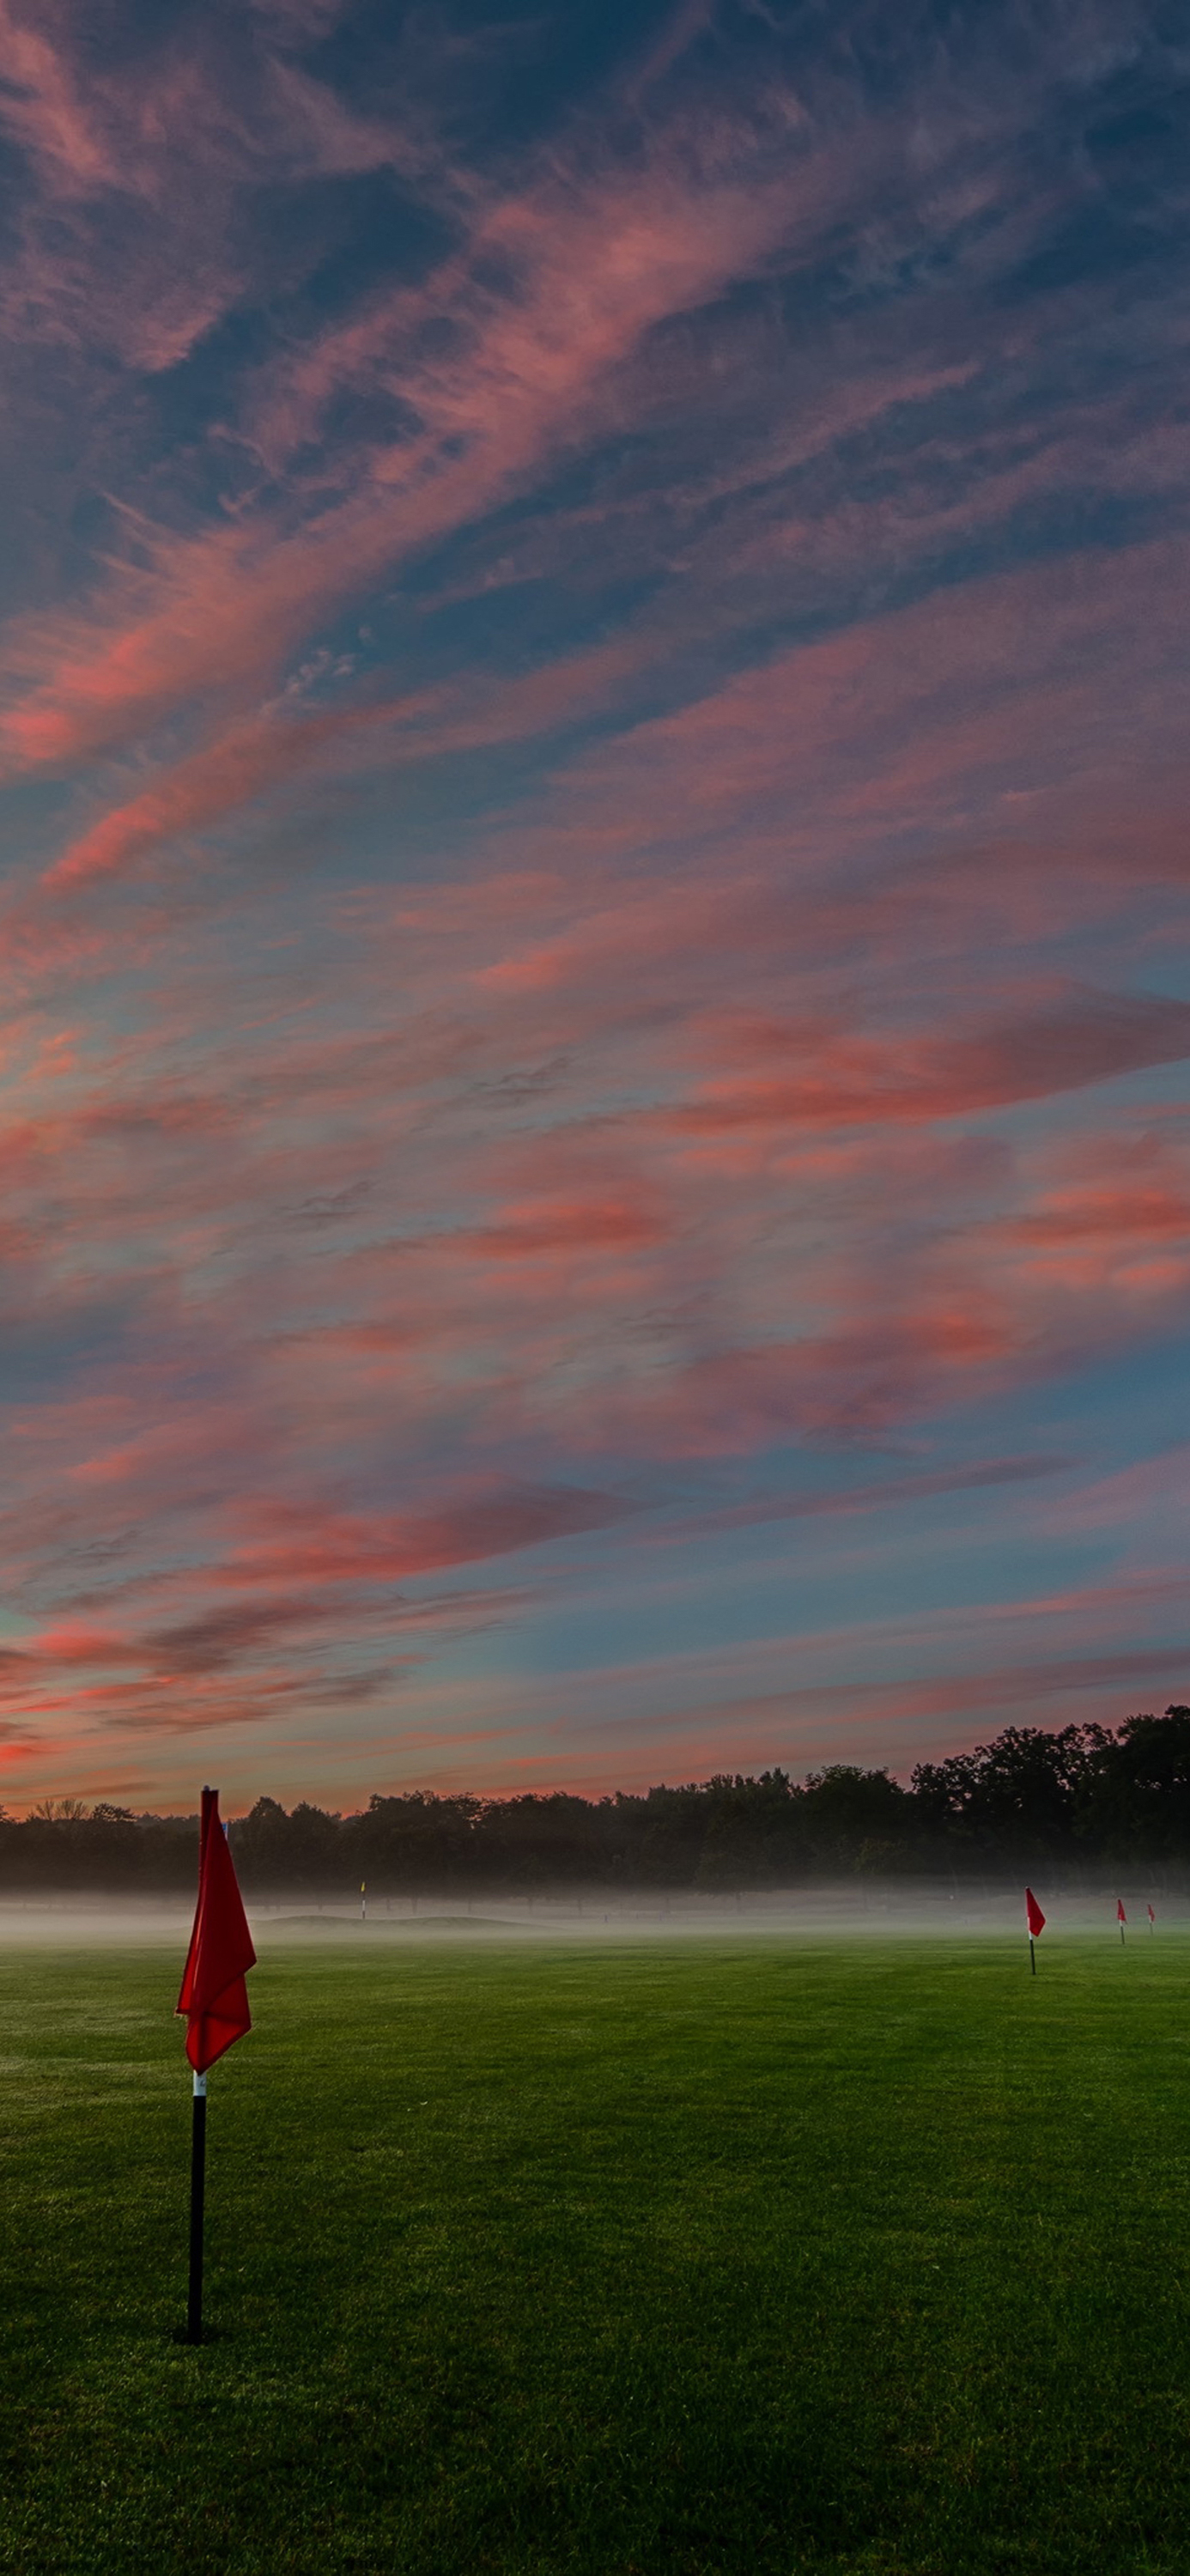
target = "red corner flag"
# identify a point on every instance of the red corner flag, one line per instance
(214, 1996)
(1121, 1917)
(1033, 1915)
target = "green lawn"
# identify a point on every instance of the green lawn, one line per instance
(648, 2261)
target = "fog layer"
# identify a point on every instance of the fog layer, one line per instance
(879, 1912)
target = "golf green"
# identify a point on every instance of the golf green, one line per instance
(652, 2260)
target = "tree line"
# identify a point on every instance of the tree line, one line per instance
(1067, 1801)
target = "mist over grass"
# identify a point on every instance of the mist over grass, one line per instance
(873, 1910)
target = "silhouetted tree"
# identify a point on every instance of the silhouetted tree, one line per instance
(1014, 1799)
(847, 1811)
(413, 1843)
(1134, 1794)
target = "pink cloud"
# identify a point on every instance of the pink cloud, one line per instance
(347, 1548)
(597, 263)
(550, 1226)
(929, 715)
(136, 234)
(45, 108)
(1151, 1494)
(225, 774)
(255, 755)
(845, 1079)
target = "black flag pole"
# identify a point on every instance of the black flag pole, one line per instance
(1032, 1957)
(214, 2000)
(198, 2179)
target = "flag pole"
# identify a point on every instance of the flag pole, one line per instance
(198, 2176)
(214, 2000)
(1032, 1957)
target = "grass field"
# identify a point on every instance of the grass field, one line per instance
(657, 2260)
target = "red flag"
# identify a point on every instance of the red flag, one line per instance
(1033, 1914)
(1121, 1917)
(214, 1995)
(1152, 1917)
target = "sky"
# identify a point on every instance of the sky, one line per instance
(593, 767)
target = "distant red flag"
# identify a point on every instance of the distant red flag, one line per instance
(1149, 1911)
(1033, 1914)
(1121, 1917)
(214, 1996)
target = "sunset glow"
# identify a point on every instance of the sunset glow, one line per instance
(596, 1131)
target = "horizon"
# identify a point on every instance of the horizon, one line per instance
(235, 1812)
(592, 743)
